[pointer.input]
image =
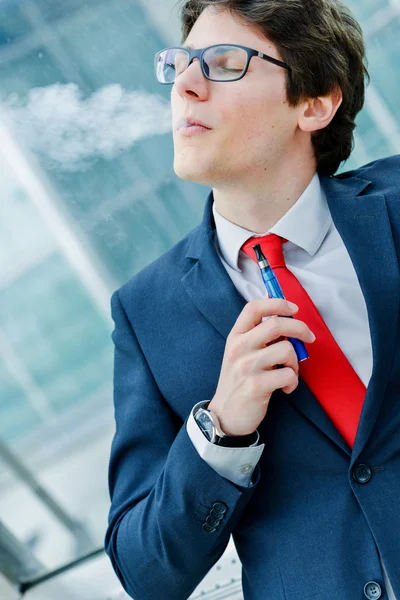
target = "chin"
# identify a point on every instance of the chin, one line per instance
(192, 172)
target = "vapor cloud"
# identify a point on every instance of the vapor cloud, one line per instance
(68, 130)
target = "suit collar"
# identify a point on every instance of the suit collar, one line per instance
(305, 225)
(332, 187)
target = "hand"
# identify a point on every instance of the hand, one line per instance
(249, 373)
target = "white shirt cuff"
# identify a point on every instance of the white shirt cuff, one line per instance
(235, 464)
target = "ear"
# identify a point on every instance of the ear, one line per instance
(317, 113)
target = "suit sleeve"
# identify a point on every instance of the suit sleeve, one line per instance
(171, 514)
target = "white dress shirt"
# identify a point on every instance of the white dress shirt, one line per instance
(316, 255)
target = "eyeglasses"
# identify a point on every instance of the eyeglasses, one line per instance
(220, 62)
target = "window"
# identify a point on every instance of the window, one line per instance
(88, 198)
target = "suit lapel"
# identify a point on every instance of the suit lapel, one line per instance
(364, 226)
(207, 283)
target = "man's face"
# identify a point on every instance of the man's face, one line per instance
(253, 128)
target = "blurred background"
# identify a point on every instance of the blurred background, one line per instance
(88, 197)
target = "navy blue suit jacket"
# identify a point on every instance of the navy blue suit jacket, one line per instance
(307, 528)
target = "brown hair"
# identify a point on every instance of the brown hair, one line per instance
(323, 44)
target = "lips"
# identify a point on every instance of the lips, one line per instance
(185, 122)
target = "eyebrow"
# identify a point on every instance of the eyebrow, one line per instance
(189, 46)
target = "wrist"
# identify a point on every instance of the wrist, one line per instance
(208, 422)
(223, 427)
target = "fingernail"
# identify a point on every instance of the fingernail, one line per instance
(313, 337)
(293, 306)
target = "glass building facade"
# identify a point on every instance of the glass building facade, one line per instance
(88, 197)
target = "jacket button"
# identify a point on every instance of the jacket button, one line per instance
(207, 528)
(362, 474)
(219, 507)
(213, 521)
(372, 590)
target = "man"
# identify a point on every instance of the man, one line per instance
(220, 430)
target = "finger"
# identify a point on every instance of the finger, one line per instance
(276, 328)
(255, 310)
(285, 379)
(279, 339)
(280, 353)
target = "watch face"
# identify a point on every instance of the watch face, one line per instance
(206, 424)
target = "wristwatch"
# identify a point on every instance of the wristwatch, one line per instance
(209, 424)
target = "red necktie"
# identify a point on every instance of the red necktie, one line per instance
(327, 372)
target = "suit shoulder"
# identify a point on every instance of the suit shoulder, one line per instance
(387, 168)
(384, 175)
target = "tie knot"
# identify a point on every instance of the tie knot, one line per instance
(271, 245)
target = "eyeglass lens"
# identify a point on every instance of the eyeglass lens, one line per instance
(220, 63)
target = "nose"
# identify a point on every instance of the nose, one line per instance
(191, 82)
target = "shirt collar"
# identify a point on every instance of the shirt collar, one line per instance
(305, 224)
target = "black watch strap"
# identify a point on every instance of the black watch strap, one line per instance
(241, 441)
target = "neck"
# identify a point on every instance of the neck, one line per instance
(259, 206)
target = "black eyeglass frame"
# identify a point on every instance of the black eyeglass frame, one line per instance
(199, 54)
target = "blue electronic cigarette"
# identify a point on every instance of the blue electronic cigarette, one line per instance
(275, 291)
